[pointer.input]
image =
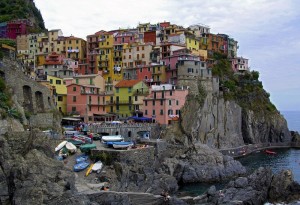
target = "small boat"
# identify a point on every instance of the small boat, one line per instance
(71, 147)
(75, 142)
(81, 166)
(81, 158)
(97, 166)
(89, 170)
(269, 152)
(122, 145)
(61, 145)
(112, 138)
(87, 147)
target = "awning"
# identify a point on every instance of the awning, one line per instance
(71, 119)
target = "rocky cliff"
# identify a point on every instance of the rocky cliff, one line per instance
(209, 118)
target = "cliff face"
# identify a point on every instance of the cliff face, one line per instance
(209, 119)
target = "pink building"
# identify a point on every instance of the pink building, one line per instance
(239, 64)
(164, 103)
(85, 100)
(172, 63)
(124, 37)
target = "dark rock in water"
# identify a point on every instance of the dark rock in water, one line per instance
(258, 188)
(283, 188)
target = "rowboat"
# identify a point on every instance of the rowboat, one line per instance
(112, 138)
(97, 166)
(87, 147)
(89, 170)
(71, 147)
(122, 145)
(269, 152)
(81, 166)
(81, 158)
(61, 145)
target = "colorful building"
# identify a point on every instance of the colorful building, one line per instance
(86, 97)
(164, 103)
(18, 27)
(60, 93)
(239, 64)
(127, 97)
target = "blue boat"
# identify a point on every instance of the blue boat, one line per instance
(81, 158)
(119, 145)
(81, 166)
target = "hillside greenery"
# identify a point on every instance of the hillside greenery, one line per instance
(245, 89)
(21, 9)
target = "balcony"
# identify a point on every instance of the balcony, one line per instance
(121, 102)
(73, 50)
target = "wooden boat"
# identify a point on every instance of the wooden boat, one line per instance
(97, 166)
(71, 147)
(269, 152)
(81, 158)
(89, 170)
(61, 145)
(81, 166)
(112, 138)
(122, 145)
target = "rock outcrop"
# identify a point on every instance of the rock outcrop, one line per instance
(203, 164)
(258, 188)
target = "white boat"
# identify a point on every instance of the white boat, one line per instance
(122, 145)
(97, 166)
(71, 147)
(61, 145)
(112, 138)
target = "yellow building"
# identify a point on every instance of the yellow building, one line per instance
(192, 43)
(75, 48)
(105, 59)
(60, 93)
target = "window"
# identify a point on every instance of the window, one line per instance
(59, 98)
(143, 55)
(153, 112)
(146, 111)
(177, 112)
(142, 47)
(129, 56)
(74, 88)
(177, 102)
(136, 98)
(190, 70)
(73, 109)
(146, 103)
(170, 102)
(117, 90)
(90, 108)
(153, 102)
(51, 81)
(74, 98)
(137, 48)
(171, 92)
(91, 81)
(129, 90)
(161, 102)
(138, 56)
(170, 112)
(77, 81)
(58, 82)
(161, 112)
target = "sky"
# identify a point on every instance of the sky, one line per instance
(268, 31)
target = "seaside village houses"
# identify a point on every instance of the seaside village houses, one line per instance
(137, 73)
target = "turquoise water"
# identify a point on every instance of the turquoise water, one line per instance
(284, 159)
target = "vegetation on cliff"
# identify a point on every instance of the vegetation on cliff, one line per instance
(244, 88)
(6, 103)
(21, 9)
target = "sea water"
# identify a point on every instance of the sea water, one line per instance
(293, 119)
(285, 159)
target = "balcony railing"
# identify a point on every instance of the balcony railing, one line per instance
(120, 102)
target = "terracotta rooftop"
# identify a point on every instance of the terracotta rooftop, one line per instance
(127, 83)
